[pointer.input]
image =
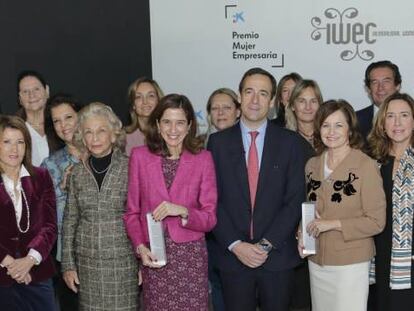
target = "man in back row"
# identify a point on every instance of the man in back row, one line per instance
(382, 79)
(260, 180)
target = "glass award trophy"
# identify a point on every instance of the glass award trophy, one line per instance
(157, 241)
(308, 214)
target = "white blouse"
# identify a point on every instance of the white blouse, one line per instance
(40, 148)
(17, 201)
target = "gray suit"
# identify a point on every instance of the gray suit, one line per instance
(95, 243)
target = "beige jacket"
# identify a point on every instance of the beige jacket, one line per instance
(352, 193)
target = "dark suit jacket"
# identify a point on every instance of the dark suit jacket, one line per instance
(308, 151)
(365, 117)
(42, 233)
(281, 190)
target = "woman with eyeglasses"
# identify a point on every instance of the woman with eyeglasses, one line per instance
(33, 94)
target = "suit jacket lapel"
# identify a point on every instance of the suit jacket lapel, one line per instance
(27, 186)
(4, 197)
(371, 113)
(269, 157)
(156, 174)
(238, 160)
(184, 168)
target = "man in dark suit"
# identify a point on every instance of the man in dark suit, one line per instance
(382, 79)
(260, 180)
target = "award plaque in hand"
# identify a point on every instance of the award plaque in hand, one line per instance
(157, 241)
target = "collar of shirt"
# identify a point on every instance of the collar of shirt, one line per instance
(9, 183)
(9, 186)
(260, 139)
(71, 158)
(376, 109)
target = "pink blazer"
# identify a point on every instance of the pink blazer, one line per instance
(194, 187)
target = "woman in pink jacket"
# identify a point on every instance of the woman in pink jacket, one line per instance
(174, 179)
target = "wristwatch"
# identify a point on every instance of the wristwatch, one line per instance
(265, 245)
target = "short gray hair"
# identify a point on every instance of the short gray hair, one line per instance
(99, 109)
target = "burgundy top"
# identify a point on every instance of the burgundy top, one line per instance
(42, 232)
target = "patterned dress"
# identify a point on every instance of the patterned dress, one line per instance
(181, 284)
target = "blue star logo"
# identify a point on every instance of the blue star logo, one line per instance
(199, 114)
(238, 17)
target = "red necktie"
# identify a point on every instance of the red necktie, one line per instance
(253, 174)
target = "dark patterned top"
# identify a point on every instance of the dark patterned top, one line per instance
(182, 284)
(169, 168)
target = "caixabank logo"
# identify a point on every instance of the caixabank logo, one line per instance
(342, 28)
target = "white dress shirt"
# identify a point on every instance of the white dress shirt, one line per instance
(12, 190)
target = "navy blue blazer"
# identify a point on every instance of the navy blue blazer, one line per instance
(365, 117)
(281, 190)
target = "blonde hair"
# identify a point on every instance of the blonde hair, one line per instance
(225, 91)
(291, 120)
(379, 142)
(99, 109)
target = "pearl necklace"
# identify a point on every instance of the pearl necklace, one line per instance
(28, 214)
(95, 170)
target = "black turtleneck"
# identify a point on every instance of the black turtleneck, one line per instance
(99, 167)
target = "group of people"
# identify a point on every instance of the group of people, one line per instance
(78, 187)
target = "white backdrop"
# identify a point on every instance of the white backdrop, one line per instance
(201, 45)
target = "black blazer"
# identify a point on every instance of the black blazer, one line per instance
(365, 117)
(281, 190)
